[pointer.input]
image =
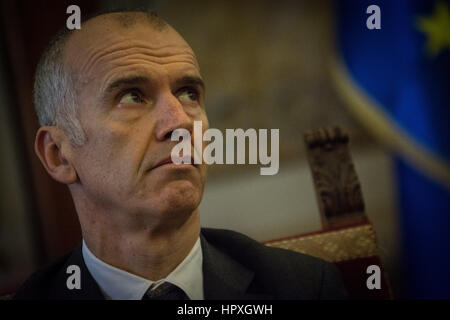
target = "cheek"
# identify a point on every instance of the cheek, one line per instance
(205, 125)
(106, 157)
(119, 141)
(204, 119)
(96, 168)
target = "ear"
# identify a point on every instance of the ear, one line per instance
(48, 148)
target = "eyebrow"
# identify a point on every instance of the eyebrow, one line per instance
(190, 80)
(126, 81)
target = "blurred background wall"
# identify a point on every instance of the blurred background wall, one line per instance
(266, 65)
(16, 229)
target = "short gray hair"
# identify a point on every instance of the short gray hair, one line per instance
(55, 96)
(55, 85)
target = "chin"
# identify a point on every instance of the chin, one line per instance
(179, 197)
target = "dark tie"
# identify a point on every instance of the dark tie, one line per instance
(165, 291)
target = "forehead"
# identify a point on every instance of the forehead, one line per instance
(104, 43)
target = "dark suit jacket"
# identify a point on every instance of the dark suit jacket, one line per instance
(234, 267)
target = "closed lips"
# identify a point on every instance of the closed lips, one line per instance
(169, 160)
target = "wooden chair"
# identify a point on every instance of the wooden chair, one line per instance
(347, 237)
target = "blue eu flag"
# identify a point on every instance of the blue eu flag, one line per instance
(397, 81)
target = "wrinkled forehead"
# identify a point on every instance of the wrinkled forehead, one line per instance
(106, 35)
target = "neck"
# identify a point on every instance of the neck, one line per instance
(151, 251)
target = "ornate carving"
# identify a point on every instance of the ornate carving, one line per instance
(337, 187)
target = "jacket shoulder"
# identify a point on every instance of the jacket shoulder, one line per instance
(39, 284)
(291, 274)
(244, 246)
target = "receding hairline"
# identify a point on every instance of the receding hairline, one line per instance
(121, 19)
(125, 20)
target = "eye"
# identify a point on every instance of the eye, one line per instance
(131, 97)
(188, 95)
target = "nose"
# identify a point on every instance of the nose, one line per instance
(171, 116)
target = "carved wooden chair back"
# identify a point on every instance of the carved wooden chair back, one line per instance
(347, 237)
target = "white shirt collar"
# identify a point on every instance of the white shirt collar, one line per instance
(117, 284)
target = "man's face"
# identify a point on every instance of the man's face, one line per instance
(139, 84)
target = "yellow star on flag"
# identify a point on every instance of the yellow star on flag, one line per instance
(436, 28)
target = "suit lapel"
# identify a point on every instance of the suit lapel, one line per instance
(224, 277)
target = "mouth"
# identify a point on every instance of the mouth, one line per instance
(168, 162)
